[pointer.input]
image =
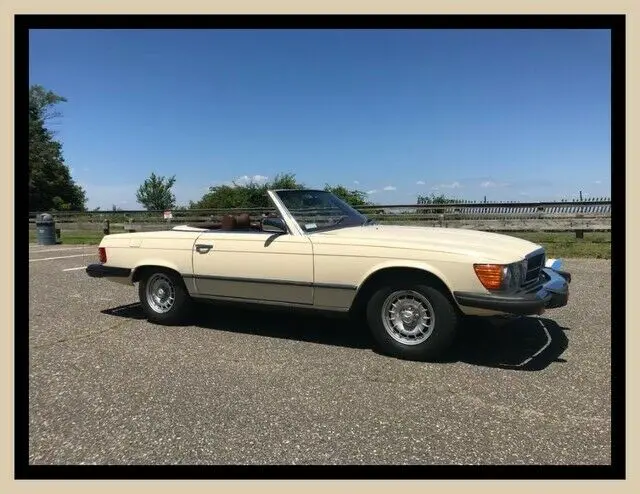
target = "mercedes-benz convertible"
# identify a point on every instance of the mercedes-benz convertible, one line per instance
(412, 285)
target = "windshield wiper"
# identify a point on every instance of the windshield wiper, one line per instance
(369, 221)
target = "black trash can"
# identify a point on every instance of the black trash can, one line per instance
(46, 229)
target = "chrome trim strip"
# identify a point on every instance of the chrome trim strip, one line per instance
(271, 302)
(534, 253)
(273, 282)
(555, 284)
(532, 275)
(247, 280)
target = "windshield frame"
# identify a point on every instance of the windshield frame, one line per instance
(278, 196)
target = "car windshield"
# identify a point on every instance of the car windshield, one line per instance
(317, 210)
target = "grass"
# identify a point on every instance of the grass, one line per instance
(558, 244)
(75, 237)
(595, 245)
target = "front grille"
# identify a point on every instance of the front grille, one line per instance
(535, 263)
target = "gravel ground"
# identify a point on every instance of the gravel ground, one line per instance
(262, 387)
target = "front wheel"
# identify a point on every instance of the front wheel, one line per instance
(163, 296)
(412, 322)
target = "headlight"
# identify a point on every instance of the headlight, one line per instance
(504, 277)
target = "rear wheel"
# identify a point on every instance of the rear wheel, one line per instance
(163, 296)
(412, 321)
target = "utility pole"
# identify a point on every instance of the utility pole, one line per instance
(580, 196)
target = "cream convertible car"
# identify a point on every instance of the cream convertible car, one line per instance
(413, 284)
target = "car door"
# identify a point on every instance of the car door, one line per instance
(254, 266)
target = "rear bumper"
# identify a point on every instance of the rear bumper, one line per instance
(553, 293)
(102, 271)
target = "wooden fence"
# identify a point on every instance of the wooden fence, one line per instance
(579, 216)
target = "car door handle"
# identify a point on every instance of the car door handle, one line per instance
(203, 248)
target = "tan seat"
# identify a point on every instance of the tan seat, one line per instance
(243, 221)
(229, 222)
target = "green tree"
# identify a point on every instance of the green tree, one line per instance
(249, 195)
(50, 184)
(352, 197)
(254, 195)
(155, 193)
(284, 181)
(436, 199)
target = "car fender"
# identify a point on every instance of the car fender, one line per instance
(164, 263)
(419, 265)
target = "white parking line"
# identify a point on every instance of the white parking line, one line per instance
(59, 257)
(526, 361)
(57, 250)
(74, 269)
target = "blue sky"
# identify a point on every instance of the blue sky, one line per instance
(521, 115)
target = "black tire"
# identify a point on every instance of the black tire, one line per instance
(441, 334)
(181, 299)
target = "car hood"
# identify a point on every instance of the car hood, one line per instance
(477, 244)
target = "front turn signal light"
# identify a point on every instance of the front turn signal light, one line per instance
(490, 275)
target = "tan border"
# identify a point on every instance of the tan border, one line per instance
(10, 7)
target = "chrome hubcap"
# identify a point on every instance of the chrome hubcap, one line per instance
(408, 317)
(161, 293)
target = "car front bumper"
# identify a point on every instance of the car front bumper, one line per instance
(553, 293)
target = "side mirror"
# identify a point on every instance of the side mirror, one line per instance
(273, 225)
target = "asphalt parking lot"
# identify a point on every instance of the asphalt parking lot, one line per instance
(262, 387)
